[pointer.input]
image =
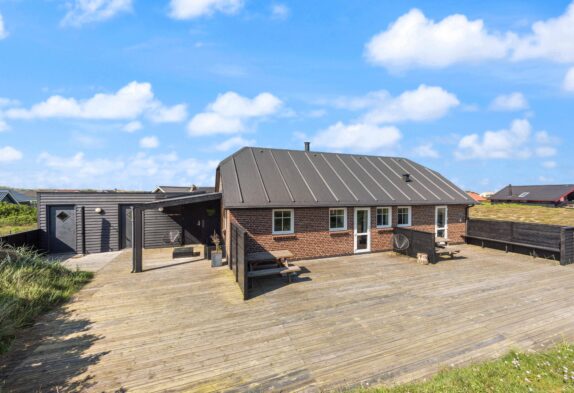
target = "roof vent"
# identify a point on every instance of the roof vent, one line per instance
(307, 146)
(407, 177)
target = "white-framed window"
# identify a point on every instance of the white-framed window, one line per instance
(384, 217)
(283, 221)
(338, 219)
(404, 216)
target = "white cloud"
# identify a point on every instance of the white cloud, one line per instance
(174, 114)
(280, 11)
(130, 172)
(543, 137)
(230, 111)
(235, 142)
(552, 39)
(3, 32)
(357, 137)
(132, 126)
(88, 11)
(509, 102)
(549, 164)
(149, 142)
(414, 40)
(129, 102)
(426, 150)
(4, 102)
(568, 84)
(507, 143)
(191, 9)
(423, 104)
(4, 126)
(546, 151)
(9, 154)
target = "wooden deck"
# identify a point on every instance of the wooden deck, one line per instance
(349, 320)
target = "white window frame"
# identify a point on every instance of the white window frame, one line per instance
(292, 222)
(410, 216)
(390, 214)
(344, 219)
(445, 220)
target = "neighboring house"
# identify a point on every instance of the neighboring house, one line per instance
(476, 197)
(487, 194)
(15, 197)
(180, 189)
(554, 195)
(313, 204)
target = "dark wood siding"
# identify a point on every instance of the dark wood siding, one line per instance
(102, 230)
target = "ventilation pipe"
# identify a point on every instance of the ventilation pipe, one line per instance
(407, 177)
(307, 146)
(510, 190)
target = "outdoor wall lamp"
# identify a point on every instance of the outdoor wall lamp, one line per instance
(98, 210)
(160, 209)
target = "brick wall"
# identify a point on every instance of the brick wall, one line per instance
(312, 238)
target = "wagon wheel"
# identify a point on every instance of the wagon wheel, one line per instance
(400, 242)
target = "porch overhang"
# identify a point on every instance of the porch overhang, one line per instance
(138, 210)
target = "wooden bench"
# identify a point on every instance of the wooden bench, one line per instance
(447, 250)
(508, 243)
(284, 271)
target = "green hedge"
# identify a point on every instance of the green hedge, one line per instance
(11, 214)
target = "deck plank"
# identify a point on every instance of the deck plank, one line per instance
(183, 326)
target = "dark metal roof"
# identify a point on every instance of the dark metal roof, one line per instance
(179, 201)
(16, 196)
(5, 196)
(261, 177)
(534, 193)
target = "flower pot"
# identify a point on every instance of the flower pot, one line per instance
(216, 258)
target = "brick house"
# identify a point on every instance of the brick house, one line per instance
(327, 204)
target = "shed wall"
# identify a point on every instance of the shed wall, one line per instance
(103, 230)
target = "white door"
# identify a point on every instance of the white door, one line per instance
(441, 222)
(362, 230)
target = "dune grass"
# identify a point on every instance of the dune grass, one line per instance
(29, 286)
(548, 371)
(523, 213)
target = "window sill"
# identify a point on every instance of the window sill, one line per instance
(284, 236)
(385, 229)
(340, 233)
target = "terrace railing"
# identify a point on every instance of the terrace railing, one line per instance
(28, 238)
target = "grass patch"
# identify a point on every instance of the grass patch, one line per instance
(29, 286)
(523, 213)
(10, 229)
(549, 371)
(16, 218)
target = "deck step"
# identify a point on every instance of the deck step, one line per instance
(192, 250)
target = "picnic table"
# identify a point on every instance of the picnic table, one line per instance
(280, 258)
(442, 247)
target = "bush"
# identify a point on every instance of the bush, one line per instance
(29, 286)
(11, 214)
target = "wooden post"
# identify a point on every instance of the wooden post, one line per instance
(566, 245)
(137, 243)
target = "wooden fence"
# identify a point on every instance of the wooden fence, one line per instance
(549, 241)
(237, 257)
(419, 242)
(28, 239)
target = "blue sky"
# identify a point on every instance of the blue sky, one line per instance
(130, 94)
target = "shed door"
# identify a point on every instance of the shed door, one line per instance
(62, 229)
(127, 228)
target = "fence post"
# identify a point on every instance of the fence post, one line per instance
(566, 245)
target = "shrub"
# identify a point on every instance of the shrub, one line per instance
(29, 286)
